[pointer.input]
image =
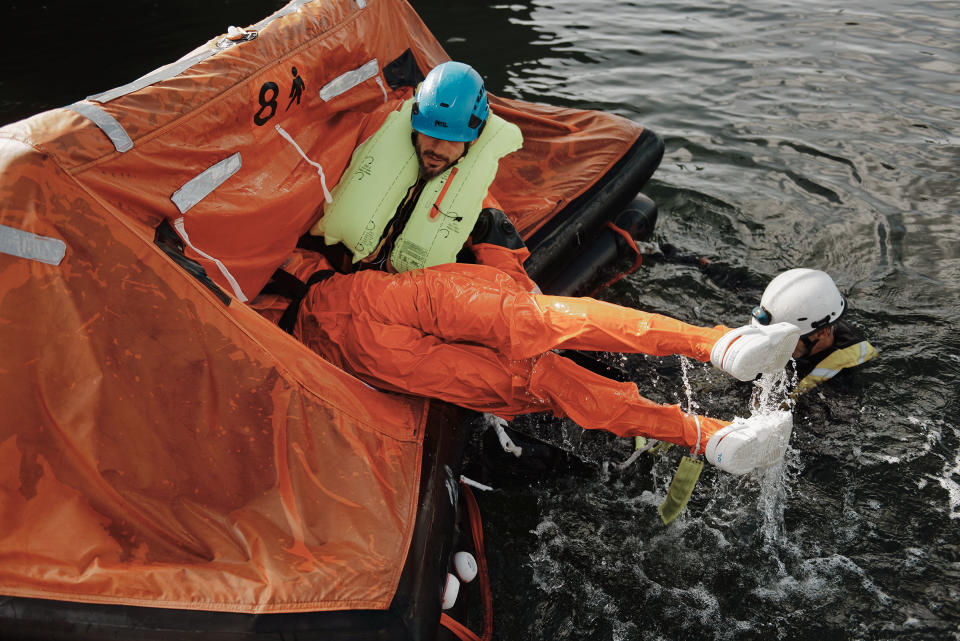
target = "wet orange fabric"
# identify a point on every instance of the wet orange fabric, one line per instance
(468, 334)
(506, 260)
(160, 448)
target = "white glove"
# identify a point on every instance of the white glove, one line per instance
(747, 351)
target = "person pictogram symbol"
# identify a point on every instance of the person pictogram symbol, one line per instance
(297, 89)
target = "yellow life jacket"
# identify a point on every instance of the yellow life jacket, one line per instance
(381, 173)
(838, 360)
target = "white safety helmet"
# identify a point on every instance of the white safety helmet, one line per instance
(807, 298)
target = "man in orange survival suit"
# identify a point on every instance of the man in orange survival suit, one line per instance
(470, 335)
(475, 335)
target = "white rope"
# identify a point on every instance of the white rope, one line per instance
(696, 418)
(475, 484)
(651, 443)
(323, 177)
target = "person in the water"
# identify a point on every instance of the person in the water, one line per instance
(806, 298)
(810, 300)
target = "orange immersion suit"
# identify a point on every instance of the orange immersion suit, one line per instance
(471, 335)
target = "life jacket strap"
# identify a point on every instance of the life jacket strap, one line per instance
(285, 284)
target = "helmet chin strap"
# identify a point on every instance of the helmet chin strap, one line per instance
(808, 342)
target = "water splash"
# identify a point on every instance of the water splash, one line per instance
(686, 365)
(771, 394)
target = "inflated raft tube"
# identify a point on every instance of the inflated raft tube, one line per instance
(596, 255)
(579, 226)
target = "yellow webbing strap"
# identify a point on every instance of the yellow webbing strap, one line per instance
(681, 488)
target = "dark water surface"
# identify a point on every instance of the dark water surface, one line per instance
(797, 134)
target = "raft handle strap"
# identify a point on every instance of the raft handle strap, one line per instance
(636, 263)
(463, 632)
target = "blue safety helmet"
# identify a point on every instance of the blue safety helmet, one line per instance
(451, 103)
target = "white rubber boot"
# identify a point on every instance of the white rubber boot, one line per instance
(750, 350)
(752, 443)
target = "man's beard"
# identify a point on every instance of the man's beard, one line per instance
(426, 172)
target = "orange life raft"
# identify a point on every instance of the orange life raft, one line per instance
(172, 462)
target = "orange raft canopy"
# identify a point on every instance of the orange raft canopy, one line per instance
(162, 445)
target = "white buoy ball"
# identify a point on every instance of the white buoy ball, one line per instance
(465, 566)
(450, 592)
